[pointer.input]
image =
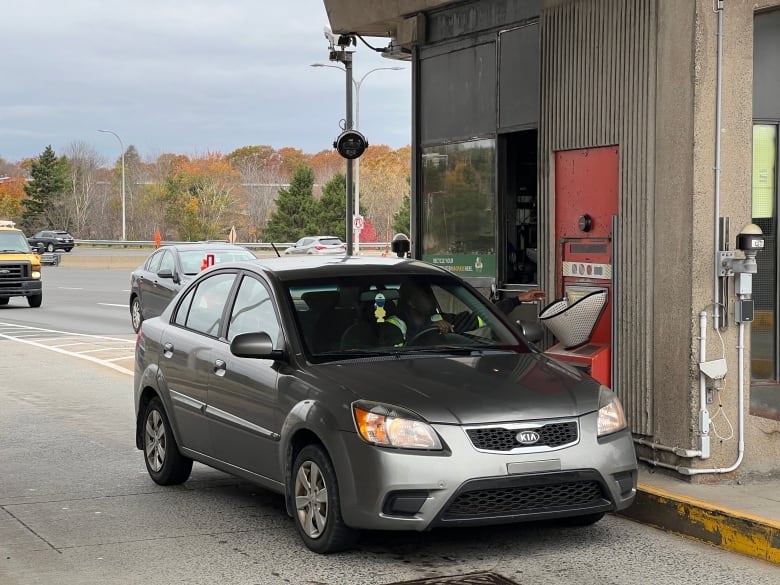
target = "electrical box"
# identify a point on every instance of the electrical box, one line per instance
(743, 311)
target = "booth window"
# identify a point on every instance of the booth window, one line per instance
(457, 214)
(765, 386)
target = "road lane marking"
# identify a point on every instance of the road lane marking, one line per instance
(124, 306)
(37, 336)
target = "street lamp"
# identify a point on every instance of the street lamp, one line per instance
(357, 83)
(122, 146)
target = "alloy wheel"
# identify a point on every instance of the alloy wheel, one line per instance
(311, 499)
(155, 440)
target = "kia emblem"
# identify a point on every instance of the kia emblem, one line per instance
(527, 437)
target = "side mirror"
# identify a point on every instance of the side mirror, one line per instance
(166, 273)
(531, 330)
(255, 345)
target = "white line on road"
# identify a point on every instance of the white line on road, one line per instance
(113, 305)
(80, 355)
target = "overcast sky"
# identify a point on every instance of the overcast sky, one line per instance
(184, 76)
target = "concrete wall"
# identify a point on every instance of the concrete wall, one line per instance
(685, 220)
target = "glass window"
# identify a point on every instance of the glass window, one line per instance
(184, 308)
(208, 303)
(153, 264)
(394, 312)
(765, 389)
(253, 311)
(166, 262)
(458, 216)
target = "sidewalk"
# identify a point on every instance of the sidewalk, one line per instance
(742, 518)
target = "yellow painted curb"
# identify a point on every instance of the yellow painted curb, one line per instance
(720, 526)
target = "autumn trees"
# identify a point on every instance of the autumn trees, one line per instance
(267, 194)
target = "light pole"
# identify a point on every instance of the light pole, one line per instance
(122, 146)
(357, 83)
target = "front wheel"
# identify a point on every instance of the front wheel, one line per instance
(136, 317)
(165, 464)
(50, 248)
(316, 501)
(35, 300)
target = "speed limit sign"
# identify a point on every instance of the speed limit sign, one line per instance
(357, 222)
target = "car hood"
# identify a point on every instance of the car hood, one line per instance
(476, 389)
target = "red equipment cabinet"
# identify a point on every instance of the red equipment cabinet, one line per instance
(586, 200)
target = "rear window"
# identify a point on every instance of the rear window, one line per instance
(331, 241)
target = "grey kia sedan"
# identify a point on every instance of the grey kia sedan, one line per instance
(374, 394)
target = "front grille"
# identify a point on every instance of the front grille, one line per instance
(14, 271)
(551, 435)
(524, 499)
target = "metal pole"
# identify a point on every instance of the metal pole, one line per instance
(347, 59)
(122, 147)
(357, 161)
(356, 234)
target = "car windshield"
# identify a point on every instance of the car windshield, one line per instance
(395, 314)
(13, 241)
(192, 261)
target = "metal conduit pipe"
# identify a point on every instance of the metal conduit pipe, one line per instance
(704, 417)
(718, 101)
(740, 417)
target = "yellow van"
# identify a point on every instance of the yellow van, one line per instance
(20, 267)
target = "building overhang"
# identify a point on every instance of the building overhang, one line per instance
(394, 19)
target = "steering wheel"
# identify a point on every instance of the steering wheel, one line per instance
(422, 333)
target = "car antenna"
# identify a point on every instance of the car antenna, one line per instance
(278, 255)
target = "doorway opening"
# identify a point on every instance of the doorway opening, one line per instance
(518, 209)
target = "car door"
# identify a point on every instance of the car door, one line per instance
(188, 349)
(160, 290)
(242, 403)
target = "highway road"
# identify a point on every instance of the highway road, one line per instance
(78, 508)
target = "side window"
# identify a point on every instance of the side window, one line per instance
(166, 262)
(153, 264)
(184, 308)
(253, 311)
(208, 303)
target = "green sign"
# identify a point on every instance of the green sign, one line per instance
(465, 264)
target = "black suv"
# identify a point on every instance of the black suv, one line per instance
(52, 240)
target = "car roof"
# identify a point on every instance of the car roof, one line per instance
(295, 268)
(203, 246)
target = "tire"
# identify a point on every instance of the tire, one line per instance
(35, 300)
(136, 317)
(4, 300)
(316, 504)
(166, 466)
(68, 249)
(50, 247)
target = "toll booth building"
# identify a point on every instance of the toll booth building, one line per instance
(622, 155)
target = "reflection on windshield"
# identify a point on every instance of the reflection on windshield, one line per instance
(398, 314)
(192, 260)
(13, 242)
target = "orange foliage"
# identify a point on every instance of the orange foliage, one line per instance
(11, 196)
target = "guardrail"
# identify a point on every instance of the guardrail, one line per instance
(142, 244)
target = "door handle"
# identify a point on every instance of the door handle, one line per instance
(168, 350)
(219, 367)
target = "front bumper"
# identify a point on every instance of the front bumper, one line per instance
(23, 288)
(391, 489)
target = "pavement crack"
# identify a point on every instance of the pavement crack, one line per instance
(29, 528)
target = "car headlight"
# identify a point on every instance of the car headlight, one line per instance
(390, 426)
(611, 415)
(36, 275)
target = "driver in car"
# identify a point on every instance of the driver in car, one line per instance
(418, 312)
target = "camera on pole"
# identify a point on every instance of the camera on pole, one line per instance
(350, 144)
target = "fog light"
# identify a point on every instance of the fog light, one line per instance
(404, 503)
